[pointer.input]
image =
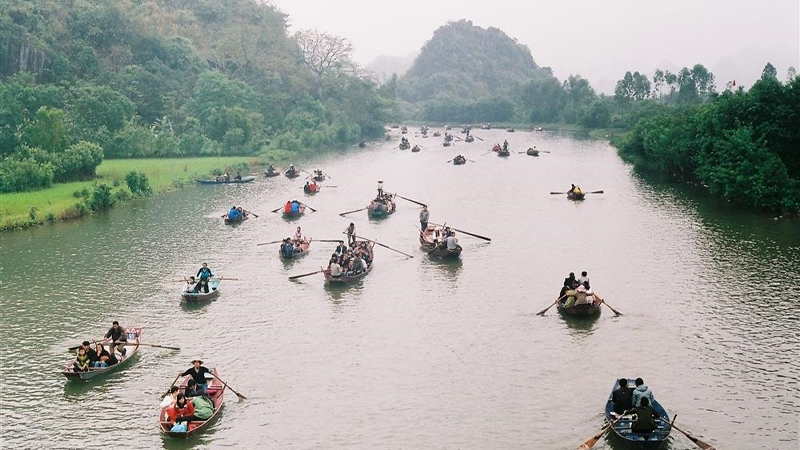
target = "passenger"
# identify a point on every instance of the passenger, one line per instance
(234, 213)
(451, 241)
(191, 389)
(198, 372)
(423, 218)
(190, 283)
(203, 407)
(238, 176)
(335, 268)
(351, 233)
(102, 356)
(169, 399)
(584, 279)
(181, 411)
(242, 212)
(571, 190)
(287, 208)
(270, 169)
(570, 280)
(118, 338)
(622, 397)
(205, 273)
(287, 249)
(298, 235)
(82, 362)
(577, 190)
(340, 249)
(313, 186)
(201, 285)
(89, 352)
(572, 295)
(307, 188)
(112, 359)
(358, 265)
(295, 207)
(580, 298)
(645, 417)
(642, 392)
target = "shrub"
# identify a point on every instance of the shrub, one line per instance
(138, 183)
(24, 175)
(101, 197)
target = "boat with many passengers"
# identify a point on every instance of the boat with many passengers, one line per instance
(214, 391)
(622, 424)
(346, 277)
(133, 334)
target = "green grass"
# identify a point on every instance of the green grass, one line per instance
(58, 200)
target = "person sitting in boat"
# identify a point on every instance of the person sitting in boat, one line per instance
(646, 417)
(340, 249)
(313, 186)
(204, 273)
(203, 407)
(570, 280)
(181, 411)
(169, 399)
(584, 279)
(190, 284)
(238, 176)
(577, 191)
(191, 389)
(234, 214)
(505, 145)
(82, 362)
(451, 241)
(572, 295)
(118, 338)
(295, 207)
(270, 169)
(298, 236)
(103, 357)
(287, 208)
(580, 297)
(307, 188)
(198, 372)
(335, 268)
(89, 352)
(201, 285)
(358, 265)
(642, 392)
(622, 397)
(287, 249)
(227, 177)
(496, 147)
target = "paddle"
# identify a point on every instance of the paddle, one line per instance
(170, 386)
(228, 279)
(595, 192)
(412, 201)
(476, 137)
(329, 186)
(350, 212)
(270, 243)
(72, 349)
(226, 385)
(593, 440)
(469, 160)
(151, 345)
(276, 210)
(326, 240)
(466, 232)
(541, 313)
(385, 246)
(306, 274)
(612, 308)
(312, 209)
(698, 442)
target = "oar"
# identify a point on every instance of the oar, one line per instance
(476, 137)
(326, 240)
(329, 186)
(698, 442)
(306, 274)
(595, 192)
(234, 391)
(351, 212)
(593, 440)
(412, 201)
(469, 160)
(225, 278)
(466, 232)
(385, 246)
(150, 345)
(541, 313)
(270, 243)
(557, 193)
(170, 386)
(276, 210)
(72, 349)
(611, 307)
(312, 209)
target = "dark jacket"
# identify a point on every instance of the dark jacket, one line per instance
(622, 399)
(117, 335)
(645, 419)
(198, 375)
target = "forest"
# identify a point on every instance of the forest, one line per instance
(83, 80)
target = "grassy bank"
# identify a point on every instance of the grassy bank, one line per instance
(26, 209)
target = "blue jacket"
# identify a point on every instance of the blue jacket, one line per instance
(639, 393)
(234, 214)
(295, 207)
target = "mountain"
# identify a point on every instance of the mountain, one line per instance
(466, 61)
(384, 66)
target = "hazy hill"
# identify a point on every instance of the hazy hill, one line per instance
(384, 66)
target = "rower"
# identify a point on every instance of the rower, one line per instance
(307, 188)
(118, 338)
(198, 372)
(270, 169)
(238, 176)
(380, 188)
(298, 235)
(234, 213)
(351, 233)
(451, 241)
(423, 218)
(204, 273)
(287, 208)
(505, 145)
(295, 207)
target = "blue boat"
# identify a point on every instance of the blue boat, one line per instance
(622, 427)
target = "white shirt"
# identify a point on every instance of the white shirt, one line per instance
(581, 280)
(168, 400)
(336, 270)
(452, 242)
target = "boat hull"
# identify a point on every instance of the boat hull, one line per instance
(197, 297)
(576, 197)
(345, 279)
(305, 246)
(587, 311)
(248, 179)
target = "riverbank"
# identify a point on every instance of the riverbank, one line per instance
(27, 209)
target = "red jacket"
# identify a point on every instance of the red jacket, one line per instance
(173, 412)
(287, 208)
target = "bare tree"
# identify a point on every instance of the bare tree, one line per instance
(323, 52)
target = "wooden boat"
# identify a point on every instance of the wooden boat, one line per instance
(405, 146)
(377, 210)
(221, 180)
(429, 239)
(502, 152)
(574, 196)
(532, 152)
(469, 138)
(215, 391)
(196, 297)
(318, 176)
(292, 214)
(446, 143)
(447, 127)
(510, 130)
(436, 134)
(459, 160)
(403, 130)
(394, 125)
(622, 427)
(416, 149)
(362, 144)
(586, 310)
(274, 173)
(291, 174)
(134, 334)
(311, 189)
(538, 129)
(486, 126)
(344, 279)
(299, 250)
(228, 221)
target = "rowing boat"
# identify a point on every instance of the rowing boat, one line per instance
(292, 214)
(502, 152)
(469, 139)
(377, 210)
(459, 160)
(416, 149)
(404, 146)
(349, 278)
(311, 189)
(133, 335)
(299, 250)
(291, 173)
(574, 196)
(196, 297)
(235, 220)
(622, 427)
(247, 179)
(446, 143)
(584, 310)
(532, 152)
(215, 392)
(429, 239)
(274, 173)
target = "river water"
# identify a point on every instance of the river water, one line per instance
(422, 354)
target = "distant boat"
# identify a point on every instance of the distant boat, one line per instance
(221, 180)
(429, 239)
(133, 334)
(196, 297)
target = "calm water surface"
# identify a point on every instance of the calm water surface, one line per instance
(422, 354)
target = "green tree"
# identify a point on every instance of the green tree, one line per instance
(769, 72)
(47, 130)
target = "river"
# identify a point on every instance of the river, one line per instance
(422, 354)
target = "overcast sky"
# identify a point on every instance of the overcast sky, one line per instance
(597, 39)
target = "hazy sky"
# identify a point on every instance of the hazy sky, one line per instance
(599, 39)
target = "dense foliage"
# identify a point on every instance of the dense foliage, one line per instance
(743, 146)
(165, 78)
(474, 73)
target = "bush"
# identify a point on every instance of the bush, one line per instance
(101, 197)
(138, 183)
(79, 161)
(34, 214)
(24, 175)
